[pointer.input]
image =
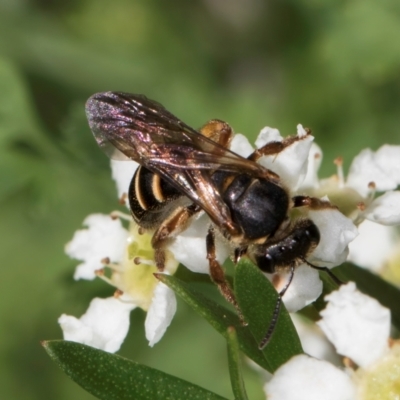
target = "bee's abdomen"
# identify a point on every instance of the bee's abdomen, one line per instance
(149, 195)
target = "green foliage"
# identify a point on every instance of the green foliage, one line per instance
(332, 66)
(257, 299)
(235, 369)
(373, 285)
(108, 376)
(111, 377)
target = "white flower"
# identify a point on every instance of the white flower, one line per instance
(129, 260)
(190, 250)
(314, 162)
(241, 145)
(375, 247)
(104, 325)
(381, 167)
(105, 237)
(385, 209)
(122, 173)
(160, 313)
(370, 172)
(336, 231)
(313, 340)
(290, 164)
(358, 326)
(305, 287)
(306, 378)
(131, 272)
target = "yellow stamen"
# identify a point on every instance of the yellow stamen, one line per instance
(118, 214)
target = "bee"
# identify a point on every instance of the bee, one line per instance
(184, 172)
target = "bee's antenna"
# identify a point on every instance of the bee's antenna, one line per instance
(277, 309)
(327, 270)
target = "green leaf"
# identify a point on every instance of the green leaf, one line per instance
(189, 276)
(112, 377)
(257, 299)
(219, 317)
(371, 284)
(235, 369)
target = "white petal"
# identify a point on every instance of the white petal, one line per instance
(364, 169)
(75, 330)
(160, 313)
(313, 164)
(301, 132)
(356, 324)
(105, 237)
(267, 135)
(103, 326)
(388, 159)
(385, 209)
(313, 341)
(373, 246)
(122, 173)
(305, 378)
(304, 288)
(336, 232)
(291, 163)
(241, 145)
(189, 247)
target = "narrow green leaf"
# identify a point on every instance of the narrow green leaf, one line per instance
(219, 317)
(235, 369)
(189, 276)
(257, 299)
(373, 285)
(112, 377)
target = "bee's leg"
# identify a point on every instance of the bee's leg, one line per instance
(218, 275)
(274, 148)
(218, 131)
(312, 202)
(171, 227)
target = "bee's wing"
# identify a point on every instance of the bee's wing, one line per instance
(144, 131)
(129, 126)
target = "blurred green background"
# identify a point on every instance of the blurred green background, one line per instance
(333, 66)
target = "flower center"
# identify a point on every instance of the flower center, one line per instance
(382, 381)
(134, 276)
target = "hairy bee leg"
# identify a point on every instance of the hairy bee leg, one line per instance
(218, 275)
(311, 202)
(274, 148)
(218, 131)
(172, 226)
